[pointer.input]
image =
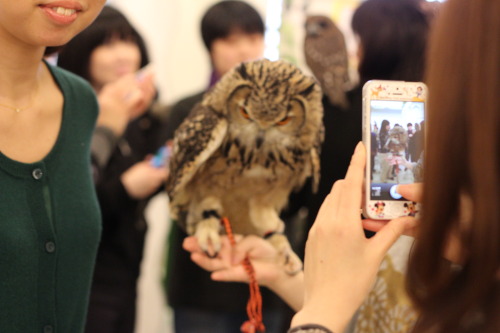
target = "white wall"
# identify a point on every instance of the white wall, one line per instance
(171, 29)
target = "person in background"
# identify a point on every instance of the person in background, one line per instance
(454, 269)
(111, 52)
(48, 208)
(409, 131)
(233, 32)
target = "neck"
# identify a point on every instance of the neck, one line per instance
(97, 87)
(20, 67)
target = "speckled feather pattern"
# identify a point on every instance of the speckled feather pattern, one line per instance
(253, 139)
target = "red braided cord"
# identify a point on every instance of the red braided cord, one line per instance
(254, 305)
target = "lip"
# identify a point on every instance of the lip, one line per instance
(48, 9)
(65, 3)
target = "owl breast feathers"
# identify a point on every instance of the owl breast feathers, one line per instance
(254, 138)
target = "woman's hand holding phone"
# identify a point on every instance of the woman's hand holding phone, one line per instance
(341, 264)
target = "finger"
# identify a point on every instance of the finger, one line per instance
(133, 97)
(253, 247)
(389, 234)
(190, 244)
(160, 173)
(374, 225)
(352, 196)
(208, 264)
(234, 273)
(356, 168)
(411, 224)
(411, 192)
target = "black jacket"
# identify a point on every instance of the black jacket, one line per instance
(124, 227)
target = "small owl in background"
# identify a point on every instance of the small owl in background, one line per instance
(326, 55)
(253, 139)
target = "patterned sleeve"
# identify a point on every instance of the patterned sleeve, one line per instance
(309, 328)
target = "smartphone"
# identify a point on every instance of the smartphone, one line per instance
(161, 157)
(393, 134)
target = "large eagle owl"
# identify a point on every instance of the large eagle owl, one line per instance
(253, 139)
(326, 55)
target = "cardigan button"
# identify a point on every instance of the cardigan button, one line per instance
(48, 329)
(50, 247)
(37, 174)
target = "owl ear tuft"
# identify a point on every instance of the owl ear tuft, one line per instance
(242, 70)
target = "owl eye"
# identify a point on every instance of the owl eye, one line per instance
(244, 113)
(286, 119)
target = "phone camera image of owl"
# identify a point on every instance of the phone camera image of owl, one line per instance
(253, 139)
(326, 55)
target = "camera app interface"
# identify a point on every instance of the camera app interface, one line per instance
(397, 142)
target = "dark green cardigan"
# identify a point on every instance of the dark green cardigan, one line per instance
(50, 225)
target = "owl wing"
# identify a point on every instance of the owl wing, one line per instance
(196, 139)
(315, 158)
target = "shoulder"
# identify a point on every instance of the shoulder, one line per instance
(69, 80)
(78, 93)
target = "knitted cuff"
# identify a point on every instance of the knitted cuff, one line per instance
(309, 328)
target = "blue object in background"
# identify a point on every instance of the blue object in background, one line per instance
(160, 159)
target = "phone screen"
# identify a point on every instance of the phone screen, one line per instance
(397, 141)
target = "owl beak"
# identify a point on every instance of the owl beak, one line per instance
(312, 30)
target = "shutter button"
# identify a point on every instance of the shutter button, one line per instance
(37, 174)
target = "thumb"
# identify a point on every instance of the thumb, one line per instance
(390, 233)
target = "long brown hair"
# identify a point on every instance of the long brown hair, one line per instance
(462, 159)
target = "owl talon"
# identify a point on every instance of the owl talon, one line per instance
(290, 261)
(211, 256)
(292, 264)
(207, 233)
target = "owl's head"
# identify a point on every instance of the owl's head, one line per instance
(317, 26)
(274, 99)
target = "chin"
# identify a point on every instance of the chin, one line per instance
(58, 36)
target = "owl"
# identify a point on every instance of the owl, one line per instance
(253, 139)
(398, 139)
(326, 55)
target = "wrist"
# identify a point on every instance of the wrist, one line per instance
(334, 320)
(289, 287)
(309, 328)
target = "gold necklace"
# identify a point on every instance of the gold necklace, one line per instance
(13, 108)
(17, 109)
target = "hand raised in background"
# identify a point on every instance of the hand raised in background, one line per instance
(142, 179)
(123, 100)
